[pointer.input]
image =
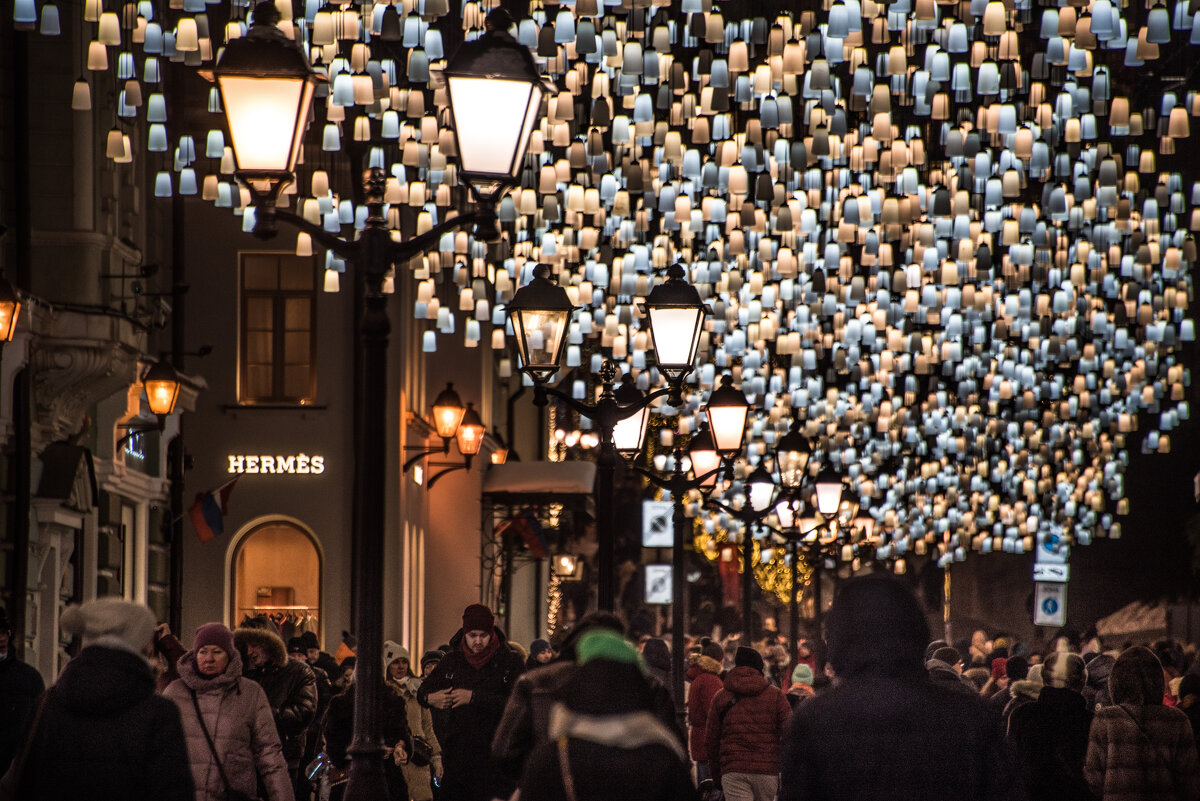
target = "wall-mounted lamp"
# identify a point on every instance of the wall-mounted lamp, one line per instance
(448, 413)
(10, 307)
(566, 566)
(471, 433)
(161, 383)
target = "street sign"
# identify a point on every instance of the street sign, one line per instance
(1050, 572)
(658, 530)
(1052, 548)
(1050, 604)
(658, 584)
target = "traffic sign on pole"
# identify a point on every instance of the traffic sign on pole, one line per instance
(1050, 604)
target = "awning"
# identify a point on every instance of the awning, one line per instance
(540, 478)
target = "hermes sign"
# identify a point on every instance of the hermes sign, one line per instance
(301, 463)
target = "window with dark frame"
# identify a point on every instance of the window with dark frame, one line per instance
(277, 347)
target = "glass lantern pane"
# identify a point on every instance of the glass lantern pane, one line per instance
(676, 333)
(792, 468)
(262, 114)
(543, 333)
(727, 424)
(492, 120)
(628, 433)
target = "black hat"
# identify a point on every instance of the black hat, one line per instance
(296, 645)
(748, 657)
(309, 640)
(431, 657)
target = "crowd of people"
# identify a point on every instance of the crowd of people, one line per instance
(875, 709)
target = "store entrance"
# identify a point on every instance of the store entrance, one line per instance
(277, 575)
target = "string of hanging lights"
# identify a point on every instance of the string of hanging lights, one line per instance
(953, 241)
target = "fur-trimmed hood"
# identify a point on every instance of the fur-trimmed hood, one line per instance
(1026, 689)
(705, 663)
(272, 643)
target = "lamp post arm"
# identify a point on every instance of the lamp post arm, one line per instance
(406, 249)
(345, 249)
(423, 452)
(450, 467)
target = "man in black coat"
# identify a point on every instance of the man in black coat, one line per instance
(1051, 733)
(20, 687)
(471, 685)
(290, 685)
(884, 730)
(103, 734)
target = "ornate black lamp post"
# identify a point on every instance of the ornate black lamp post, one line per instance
(540, 312)
(266, 86)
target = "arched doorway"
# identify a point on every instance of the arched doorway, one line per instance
(275, 570)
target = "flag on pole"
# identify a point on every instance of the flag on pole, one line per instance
(209, 510)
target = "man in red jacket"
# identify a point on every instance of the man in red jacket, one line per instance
(704, 675)
(745, 726)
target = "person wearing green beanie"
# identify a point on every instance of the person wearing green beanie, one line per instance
(608, 644)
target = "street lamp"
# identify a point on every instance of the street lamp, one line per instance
(264, 70)
(540, 313)
(792, 456)
(676, 313)
(727, 410)
(448, 413)
(162, 388)
(10, 307)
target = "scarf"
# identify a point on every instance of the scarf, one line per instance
(480, 659)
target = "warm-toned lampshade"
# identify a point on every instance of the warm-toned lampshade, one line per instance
(500, 456)
(705, 459)
(540, 312)
(829, 492)
(162, 387)
(865, 524)
(760, 489)
(791, 457)
(470, 432)
(266, 88)
(786, 513)
(448, 411)
(564, 564)
(676, 315)
(727, 410)
(10, 307)
(495, 94)
(630, 434)
(848, 506)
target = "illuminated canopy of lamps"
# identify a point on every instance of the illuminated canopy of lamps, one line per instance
(162, 387)
(448, 412)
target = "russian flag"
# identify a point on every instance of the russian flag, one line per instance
(209, 510)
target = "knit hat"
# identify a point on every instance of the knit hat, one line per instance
(998, 668)
(1017, 667)
(948, 654)
(478, 617)
(309, 640)
(712, 650)
(802, 674)
(214, 634)
(657, 654)
(295, 645)
(431, 657)
(539, 646)
(607, 644)
(1064, 670)
(748, 657)
(393, 651)
(112, 623)
(936, 645)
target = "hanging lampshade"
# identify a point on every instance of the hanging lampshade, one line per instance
(10, 308)
(727, 411)
(705, 459)
(630, 434)
(448, 412)
(162, 387)
(495, 94)
(470, 432)
(539, 313)
(676, 315)
(267, 86)
(792, 456)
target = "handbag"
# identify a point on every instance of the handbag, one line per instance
(230, 793)
(422, 752)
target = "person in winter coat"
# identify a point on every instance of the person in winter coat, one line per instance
(399, 678)
(103, 734)
(339, 730)
(801, 687)
(1051, 734)
(318, 658)
(1017, 668)
(238, 719)
(657, 655)
(541, 652)
(855, 741)
(945, 670)
(290, 685)
(1139, 749)
(1099, 672)
(526, 719)
(704, 675)
(1189, 701)
(314, 735)
(471, 684)
(1024, 692)
(606, 740)
(745, 728)
(20, 688)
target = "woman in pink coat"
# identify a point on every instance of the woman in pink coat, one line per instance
(238, 718)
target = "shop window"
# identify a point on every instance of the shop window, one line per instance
(277, 345)
(277, 574)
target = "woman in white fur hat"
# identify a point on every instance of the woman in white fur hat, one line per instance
(102, 733)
